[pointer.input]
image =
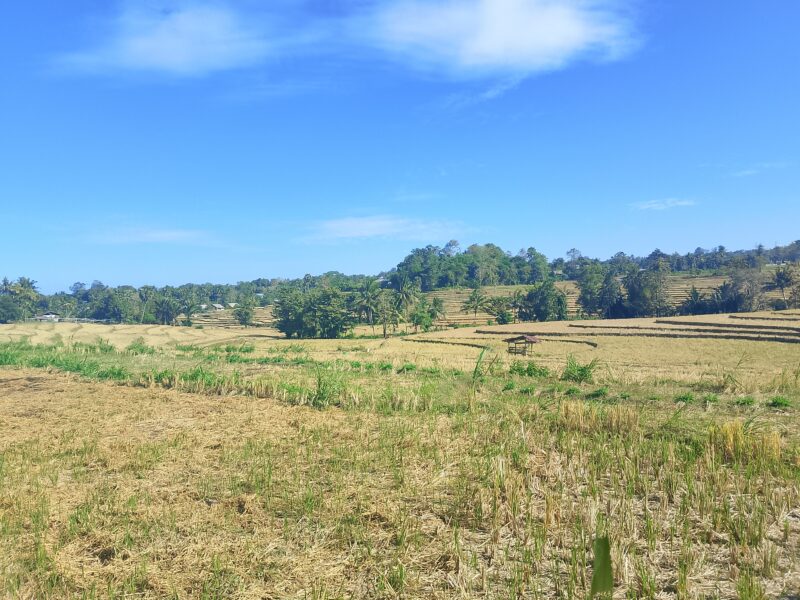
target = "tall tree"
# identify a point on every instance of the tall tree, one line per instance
(475, 302)
(366, 300)
(388, 311)
(783, 279)
(407, 294)
(544, 302)
(166, 309)
(590, 282)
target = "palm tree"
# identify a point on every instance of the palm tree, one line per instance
(26, 293)
(388, 310)
(437, 309)
(367, 299)
(146, 293)
(407, 294)
(166, 309)
(475, 302)
(188, 310)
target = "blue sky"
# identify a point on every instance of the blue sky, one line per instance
(165, 141)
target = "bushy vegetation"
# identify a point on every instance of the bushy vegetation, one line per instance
(577, 372)
(622, 286)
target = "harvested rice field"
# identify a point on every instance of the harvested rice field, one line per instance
(165, 462)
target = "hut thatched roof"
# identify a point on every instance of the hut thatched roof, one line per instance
(532, 339)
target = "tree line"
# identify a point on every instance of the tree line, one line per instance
(330, 304)
(434, 267)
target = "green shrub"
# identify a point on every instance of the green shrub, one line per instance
(578, 373)
(138, 346)
(685, 398)
(509, 385)
(744, 401)
(235, 358)
(328, 390)
(528, 369)
(113, 373)
(598, 394)
(407, 368)
(431, 370)
(779, 402)
(710, 398)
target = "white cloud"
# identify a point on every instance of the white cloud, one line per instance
(491, 37)
(497, 39)
(186, 41)
(381, 226)
(150, 236)
(759, 168)
(665, 204)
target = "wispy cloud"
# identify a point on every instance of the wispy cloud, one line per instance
(185, 41)
(469, 38)
(133, 236)
(759, 168)
(503, 41)
(665, 204)
(381, 227)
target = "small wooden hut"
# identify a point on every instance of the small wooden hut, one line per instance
(522, 344)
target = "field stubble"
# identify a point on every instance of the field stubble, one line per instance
(434, 479)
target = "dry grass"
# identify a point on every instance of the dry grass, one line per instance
(429, 479)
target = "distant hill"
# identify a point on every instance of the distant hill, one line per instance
(678, 288)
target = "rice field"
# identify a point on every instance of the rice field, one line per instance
(153, 462)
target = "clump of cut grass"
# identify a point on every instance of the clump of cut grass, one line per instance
(744, 401)
(598, 394)
(779, 402)
(240, 349)
(139, 347)
(577, 372)
(685, 398)
(328, 389)
(528, 369)
(288, 349)
(407, 368)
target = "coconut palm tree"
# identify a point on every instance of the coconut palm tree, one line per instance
(367, 299)
(407, 294)
(437, 309)
(475, 302)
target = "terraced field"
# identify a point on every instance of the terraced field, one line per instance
(678, 288)
(754, 346)
(262, 317)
